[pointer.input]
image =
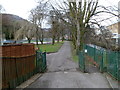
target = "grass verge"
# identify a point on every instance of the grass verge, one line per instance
(74, 56)
(49, 48)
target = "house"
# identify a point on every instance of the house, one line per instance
(115, 29)
(116, 38)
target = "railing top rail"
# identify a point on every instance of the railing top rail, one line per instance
(100, 48)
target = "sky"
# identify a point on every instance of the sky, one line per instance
(18, 7)
(22, 7)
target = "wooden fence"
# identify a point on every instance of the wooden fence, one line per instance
(18, 50)
(18, 64)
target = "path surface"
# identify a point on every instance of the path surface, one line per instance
(62, 73)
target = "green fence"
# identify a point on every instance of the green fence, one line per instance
(106, 60)
(41, 64)
(82, 61)
(112, 67)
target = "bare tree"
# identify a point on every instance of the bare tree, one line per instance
(77, 17)
(38, 14)
(1, 8)
(82, 13)
(54, 26)
(26, 30)
(33, 19)
(113, 15)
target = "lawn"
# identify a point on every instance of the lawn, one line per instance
(50, 47)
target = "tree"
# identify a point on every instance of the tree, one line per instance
(55, 26)
(77, 17)
(38, 14)
(82, 13)
(113, 15)
(26, 30)
(33, 19)
(1, 8)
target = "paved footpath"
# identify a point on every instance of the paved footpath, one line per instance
(62, 73)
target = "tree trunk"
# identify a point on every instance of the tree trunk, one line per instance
(62, 35)
(41, 41)
(37, 35)
(42, 38)
(29, 40)
(81, 40)
(74, 41)
(78, 36)
(36, 41)
(62, 38)
(58, 39)
(53, 40)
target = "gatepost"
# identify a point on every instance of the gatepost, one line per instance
(0, 51)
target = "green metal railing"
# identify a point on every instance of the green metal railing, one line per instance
(82, 61)
(106, 60)
(41, 61)
(112, 67)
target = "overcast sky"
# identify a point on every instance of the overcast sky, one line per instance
(22, 7)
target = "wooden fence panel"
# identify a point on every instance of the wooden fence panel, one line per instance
(17, 61)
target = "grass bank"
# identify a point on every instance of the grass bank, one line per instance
(74, 56)
(49, 48)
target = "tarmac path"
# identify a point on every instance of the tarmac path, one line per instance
(62, 73)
